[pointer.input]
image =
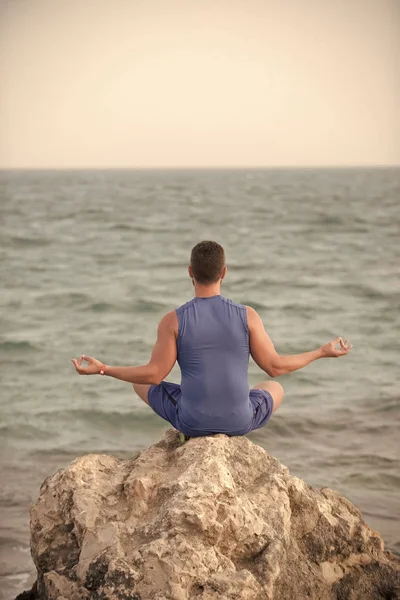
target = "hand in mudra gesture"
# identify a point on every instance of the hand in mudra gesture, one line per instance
(92, 368)
(336, 348)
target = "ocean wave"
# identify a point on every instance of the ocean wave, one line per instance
(170, 264)
(254, 304)
(100, 307)
(8, 500)
(66, 455)
(65, 299)
(372, 480)
(376, 461)
(150, 306)
(248, 267)
(18, 346)
(24, 431)
(96, 417)
(121, 227)
(304, 309)
(68, 424)
(288, 427)
(389, 406)
(364, 291)
(26, 241)
(327, 219)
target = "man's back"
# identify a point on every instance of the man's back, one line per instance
(213, 354)
(211, 337)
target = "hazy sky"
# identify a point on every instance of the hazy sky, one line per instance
(120, 83)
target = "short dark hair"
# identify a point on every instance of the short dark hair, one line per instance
(207, 261)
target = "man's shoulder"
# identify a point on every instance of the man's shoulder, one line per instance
(253, 318)
(168, 319)
(185, 306)
(232, 303)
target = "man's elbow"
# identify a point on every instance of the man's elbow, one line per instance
(155, 376)
(272, 372)
(275, 369)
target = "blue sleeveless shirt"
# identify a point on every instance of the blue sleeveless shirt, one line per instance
(213, 354)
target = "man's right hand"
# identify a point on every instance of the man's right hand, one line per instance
(331, 350)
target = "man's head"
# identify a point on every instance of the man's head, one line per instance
(207, 263)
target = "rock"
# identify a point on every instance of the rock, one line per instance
(31, 595)
(214, 518)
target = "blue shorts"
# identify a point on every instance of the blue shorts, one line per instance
(164, 400)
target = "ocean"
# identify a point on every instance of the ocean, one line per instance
(90, 262)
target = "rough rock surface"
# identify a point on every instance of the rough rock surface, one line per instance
(214, 518)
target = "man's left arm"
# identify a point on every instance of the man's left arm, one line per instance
(163, 358)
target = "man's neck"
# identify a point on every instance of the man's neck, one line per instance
(207, 291)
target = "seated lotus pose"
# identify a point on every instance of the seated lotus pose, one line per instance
(211, 337)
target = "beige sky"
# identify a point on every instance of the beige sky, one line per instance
(140, 83)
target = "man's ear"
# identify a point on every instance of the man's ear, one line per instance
(190, 272)
(223, 272)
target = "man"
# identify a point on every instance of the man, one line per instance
(211, 337)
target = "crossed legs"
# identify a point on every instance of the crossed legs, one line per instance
(142, 390)
(273, 387)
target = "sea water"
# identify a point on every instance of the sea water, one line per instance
(90, 262)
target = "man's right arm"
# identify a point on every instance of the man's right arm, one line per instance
(266, 357)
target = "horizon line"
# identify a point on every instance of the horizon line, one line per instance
(199, 168)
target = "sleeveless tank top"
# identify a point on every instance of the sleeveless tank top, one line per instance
(213, 354)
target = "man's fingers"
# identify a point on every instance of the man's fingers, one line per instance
(345, 349)
(90, 369)
(82, 358)
(337, 347)
(346, 345)
(79, 369)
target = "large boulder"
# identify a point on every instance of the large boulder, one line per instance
(214, 518)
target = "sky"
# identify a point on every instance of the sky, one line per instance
(199, 83)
